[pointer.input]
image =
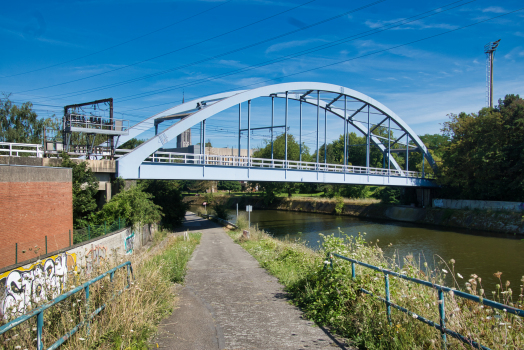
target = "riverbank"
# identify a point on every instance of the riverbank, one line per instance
(483, 220)
(329, 296)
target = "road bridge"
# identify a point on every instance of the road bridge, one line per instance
(147, 161)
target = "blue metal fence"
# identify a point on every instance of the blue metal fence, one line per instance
(39, 312)
(440, 289)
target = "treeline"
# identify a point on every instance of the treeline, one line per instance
(479, 156)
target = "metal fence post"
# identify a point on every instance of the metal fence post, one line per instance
(442, 313)
(39, 325)
(46, 244)
(88, 320)
(388, 303)
(353, 270)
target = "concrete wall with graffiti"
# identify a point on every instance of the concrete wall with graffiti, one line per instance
(31, 284)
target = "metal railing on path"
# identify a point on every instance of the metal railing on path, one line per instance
(39, 312)
(441, 300)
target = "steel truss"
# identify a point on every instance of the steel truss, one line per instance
(326, 97)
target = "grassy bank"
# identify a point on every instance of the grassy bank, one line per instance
(331, 298)
(130, 319)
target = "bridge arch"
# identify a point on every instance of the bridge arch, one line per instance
(201, 109)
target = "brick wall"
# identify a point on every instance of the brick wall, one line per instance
(35, 202)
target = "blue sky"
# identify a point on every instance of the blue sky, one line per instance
(56, 53)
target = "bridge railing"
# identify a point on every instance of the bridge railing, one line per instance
(87, 317)
(13, 149)
(441, 326)
(235, 161)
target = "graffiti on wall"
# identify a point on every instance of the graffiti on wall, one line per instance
(95, 257)
(129, 243)
(21, 287)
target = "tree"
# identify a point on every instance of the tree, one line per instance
(19, 123)
(134, 205)
(229, 186)
(279, 149)
(131, 144)
(208, 143)
(167, 195)
(485, 156)
(356, 150)
(85, 188)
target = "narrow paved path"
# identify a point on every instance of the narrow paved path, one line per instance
(230, 302)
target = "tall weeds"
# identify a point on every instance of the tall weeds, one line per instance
(129, 319)
(331, 298)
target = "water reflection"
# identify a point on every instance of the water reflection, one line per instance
(476, 252)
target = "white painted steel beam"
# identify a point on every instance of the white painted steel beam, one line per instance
(128, 165)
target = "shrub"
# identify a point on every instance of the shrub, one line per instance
(220, 210)
(339, 207)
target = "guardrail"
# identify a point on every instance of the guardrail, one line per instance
(39, 312)
(96, 123)
(12, 149)
(441, 300)
(222, 221)
(234, 161)
(226, 160)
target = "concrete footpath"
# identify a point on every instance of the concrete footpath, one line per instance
(230, 302)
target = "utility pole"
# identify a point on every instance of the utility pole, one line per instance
(489, 50)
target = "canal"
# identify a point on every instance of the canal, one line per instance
(474, 252)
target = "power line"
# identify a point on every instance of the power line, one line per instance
(179, 49)
(311, 50)
(120, 44)
(300, 53)
(361, 56)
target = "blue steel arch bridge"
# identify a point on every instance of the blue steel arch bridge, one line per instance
(348, 110)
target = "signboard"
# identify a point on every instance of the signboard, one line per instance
(249, 208)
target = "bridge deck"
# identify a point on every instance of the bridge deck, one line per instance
(187, 166)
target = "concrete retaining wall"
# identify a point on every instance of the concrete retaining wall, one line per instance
(21, 285)
(472, 204)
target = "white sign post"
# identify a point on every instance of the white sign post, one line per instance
(249, 209)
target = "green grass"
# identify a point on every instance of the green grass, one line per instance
(331, 298)
(131, 318)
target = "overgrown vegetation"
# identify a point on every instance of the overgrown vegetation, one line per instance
(168, 196)
(130, 319)
(485, 156)
(331, 298)
(134, 205)
(85, 187)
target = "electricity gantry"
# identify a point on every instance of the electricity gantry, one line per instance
(350, 109)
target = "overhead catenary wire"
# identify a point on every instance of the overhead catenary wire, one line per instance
(179, 49)
(353, 37)
(357, 57)
(119, 44)
(377, 30)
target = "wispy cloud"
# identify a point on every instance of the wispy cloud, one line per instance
(290, 44)
(410, 26)
(517, 52)
(494, 9)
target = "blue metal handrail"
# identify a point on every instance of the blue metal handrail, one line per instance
(39, 312)
(441, 289)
